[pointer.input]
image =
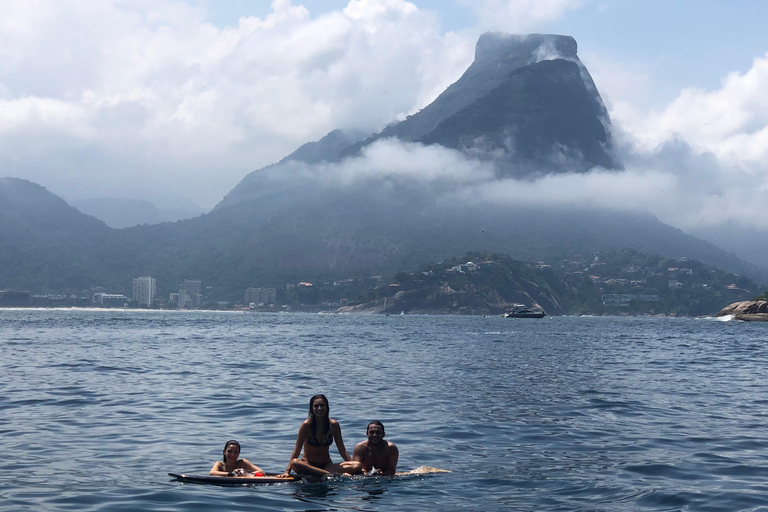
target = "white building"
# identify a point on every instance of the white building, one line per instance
(144, 290)
(190, 295)
(110, 300)
(258, 296)
(192, 287)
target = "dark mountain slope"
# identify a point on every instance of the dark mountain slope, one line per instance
(511, 100)
(526, 102)
(46, 244)
(343, 233)
(542, 113)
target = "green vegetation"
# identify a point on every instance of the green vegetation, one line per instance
(338, 239)
(635, 283)
(605, 283)
(608, 282)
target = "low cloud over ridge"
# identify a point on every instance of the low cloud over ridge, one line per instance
(113, 97)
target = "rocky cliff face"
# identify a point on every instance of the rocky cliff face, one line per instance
(528, 98)
(749, 311)
(527, 103)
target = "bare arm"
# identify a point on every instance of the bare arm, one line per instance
(339, 441)
(218, 469)
(246, 464)
(358, 454)
(394, 454)
(300, 438)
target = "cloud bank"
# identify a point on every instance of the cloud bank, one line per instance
(108, 95)
(698, 162)
(123, 98)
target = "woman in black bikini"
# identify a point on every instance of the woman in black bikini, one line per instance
(316, 435)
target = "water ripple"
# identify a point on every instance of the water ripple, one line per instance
(568, 414)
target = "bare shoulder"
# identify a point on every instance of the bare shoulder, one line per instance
(391, 446)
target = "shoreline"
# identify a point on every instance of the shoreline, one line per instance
(314, 311)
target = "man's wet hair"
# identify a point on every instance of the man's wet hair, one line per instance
(375, 422)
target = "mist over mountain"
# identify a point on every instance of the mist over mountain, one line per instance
(455, 177)
(748, 242)
(527, 102)
(419, 189)
(527, 105)
(120, 213)
(48, 245)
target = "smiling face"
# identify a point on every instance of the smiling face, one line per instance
(319, 409)
(231, 452)
(375, 434)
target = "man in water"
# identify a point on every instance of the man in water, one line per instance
(376, 453)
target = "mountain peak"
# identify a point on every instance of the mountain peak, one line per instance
(525, 49)
(527, 104)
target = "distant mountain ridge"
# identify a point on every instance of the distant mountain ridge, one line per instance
(526, 105)
(528, 70)
(121, 213)
(526, 102)
(46, 244)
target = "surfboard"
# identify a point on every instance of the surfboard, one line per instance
(424, 470)
(237, 481)
(229, 481)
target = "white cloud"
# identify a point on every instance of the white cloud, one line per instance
(191, 107)
(105, 97)
(682, 187)
(394, 160)
(712, 146)
(30, 114)
(518, 16)
(731, 121)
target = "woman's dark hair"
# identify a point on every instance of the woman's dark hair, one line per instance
(229, 443)
(327, 422)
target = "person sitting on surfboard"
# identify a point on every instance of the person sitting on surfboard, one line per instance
(315, 436)
(232, 466)
(376, 455)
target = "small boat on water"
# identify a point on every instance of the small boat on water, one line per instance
(521, 311)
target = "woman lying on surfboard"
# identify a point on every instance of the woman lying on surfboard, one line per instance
(232, 466)
(316, 435)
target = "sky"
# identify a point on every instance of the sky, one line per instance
(170, 100)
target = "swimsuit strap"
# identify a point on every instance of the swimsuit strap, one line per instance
(314, 441)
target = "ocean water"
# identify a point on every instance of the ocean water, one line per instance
(570, 414)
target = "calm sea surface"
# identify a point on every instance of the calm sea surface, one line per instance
(570, 414)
